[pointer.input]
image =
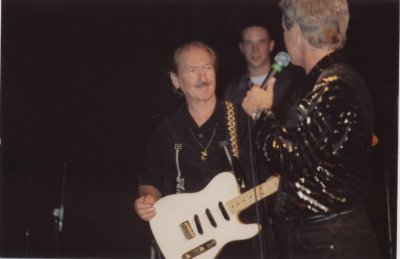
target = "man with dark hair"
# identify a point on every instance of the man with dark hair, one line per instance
(257, 46)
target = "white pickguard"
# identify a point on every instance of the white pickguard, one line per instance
(172, 210)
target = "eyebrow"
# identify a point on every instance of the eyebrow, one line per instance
(263, 39)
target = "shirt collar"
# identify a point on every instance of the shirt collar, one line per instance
(330, 59)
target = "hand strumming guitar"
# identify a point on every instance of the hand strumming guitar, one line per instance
(144, 204)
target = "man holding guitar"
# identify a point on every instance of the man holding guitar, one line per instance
(192, 146)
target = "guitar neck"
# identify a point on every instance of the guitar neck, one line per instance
(248, 198)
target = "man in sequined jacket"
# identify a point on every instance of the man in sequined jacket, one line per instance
(323, 152)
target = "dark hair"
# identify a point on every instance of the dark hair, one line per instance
(255, 25)
(258, 22)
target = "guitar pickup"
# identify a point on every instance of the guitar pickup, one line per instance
(200, 249)
(187, 230)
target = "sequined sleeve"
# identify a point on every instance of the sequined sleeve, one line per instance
(324, 156)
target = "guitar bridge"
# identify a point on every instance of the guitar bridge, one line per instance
(187, 230)
(200, 249)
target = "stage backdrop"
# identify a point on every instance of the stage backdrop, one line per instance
(83, 84)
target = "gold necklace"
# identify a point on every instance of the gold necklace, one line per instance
(204, 154)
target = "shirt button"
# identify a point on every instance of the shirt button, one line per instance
(200, 135)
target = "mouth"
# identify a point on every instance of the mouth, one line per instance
(254, 57)
(202, 84)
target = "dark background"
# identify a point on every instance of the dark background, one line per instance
(83, 84)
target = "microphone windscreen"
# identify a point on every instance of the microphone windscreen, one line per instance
(282, 59)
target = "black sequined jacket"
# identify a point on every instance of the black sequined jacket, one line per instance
(323, 157)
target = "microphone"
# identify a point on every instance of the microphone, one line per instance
(282, 60)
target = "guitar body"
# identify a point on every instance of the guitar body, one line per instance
(199, 224)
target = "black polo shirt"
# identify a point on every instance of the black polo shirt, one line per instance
(180, 130)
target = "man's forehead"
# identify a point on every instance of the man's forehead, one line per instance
(195, 54)
(195, 59)
(255, 32)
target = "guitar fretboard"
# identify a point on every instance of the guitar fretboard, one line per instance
(257, 193)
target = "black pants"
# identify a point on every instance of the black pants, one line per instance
(344, 236)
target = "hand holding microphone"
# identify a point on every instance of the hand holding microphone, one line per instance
(256, 101)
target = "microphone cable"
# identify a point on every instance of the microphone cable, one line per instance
(255, 183)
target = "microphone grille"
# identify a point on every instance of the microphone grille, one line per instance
(282, 59)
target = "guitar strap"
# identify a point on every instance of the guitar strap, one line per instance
(180, 181)
(230, 116)
(232, 134)
(233, 155)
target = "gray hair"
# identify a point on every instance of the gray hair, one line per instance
(188, 45)
(323, 23)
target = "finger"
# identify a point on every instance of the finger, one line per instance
(147, 214)
(254, 89)
(246, 104)
(141, 204)
(143, 207)
(271, 84)
(143, 211)
(148, 199)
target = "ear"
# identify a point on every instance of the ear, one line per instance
(241, 47)
(174, 80)
(271, 45)
(297, 31)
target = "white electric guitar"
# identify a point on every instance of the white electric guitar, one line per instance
(189, 225)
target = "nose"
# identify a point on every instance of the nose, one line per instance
(254, 47)
(203, 74)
